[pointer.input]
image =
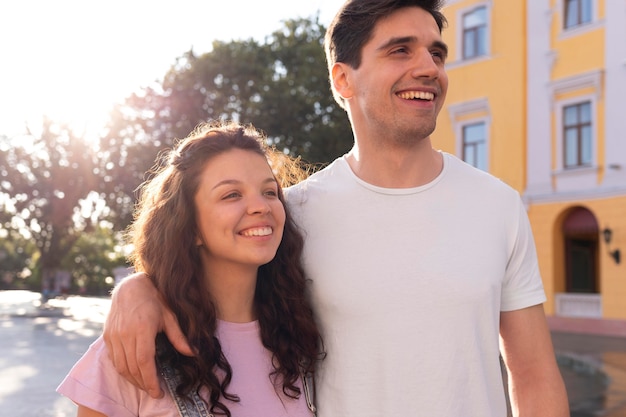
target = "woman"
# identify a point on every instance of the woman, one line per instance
(213, 234)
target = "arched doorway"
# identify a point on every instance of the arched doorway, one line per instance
(580, 243)
(580, 231)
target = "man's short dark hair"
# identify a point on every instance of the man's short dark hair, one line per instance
(354, 23)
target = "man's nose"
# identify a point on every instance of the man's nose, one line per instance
(424, 65)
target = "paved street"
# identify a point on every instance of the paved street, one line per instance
(594, 370)
(39, 344)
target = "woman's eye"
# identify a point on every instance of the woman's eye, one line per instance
(231, 195)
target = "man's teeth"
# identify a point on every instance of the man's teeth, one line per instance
(412, 95)
(262, 231)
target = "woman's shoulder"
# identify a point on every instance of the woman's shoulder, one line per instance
(95, 383)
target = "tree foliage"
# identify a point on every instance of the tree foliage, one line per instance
(297, 110)
(93, 259)
(280, 85)
(46, 180)
(18, 256)
(52, 182)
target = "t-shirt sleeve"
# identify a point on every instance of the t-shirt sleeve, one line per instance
(94, 383)
(522, 283)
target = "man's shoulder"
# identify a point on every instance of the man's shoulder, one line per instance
(476, 176)
(318, 188)
(329, 173)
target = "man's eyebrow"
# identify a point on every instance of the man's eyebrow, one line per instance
(397, 41)
(411, 39)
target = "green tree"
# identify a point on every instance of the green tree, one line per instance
(52, 183)
(297, 108)
(17, 258)
(196, 89)
(92, 260)
(280, 85)
(48, 181)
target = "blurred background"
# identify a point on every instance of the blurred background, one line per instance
(91, 93)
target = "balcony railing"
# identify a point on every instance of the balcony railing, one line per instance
(579, 305)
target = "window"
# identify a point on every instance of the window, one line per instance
(475, 33)
(576, 140)
(475, 145)
(577, 12)
(577, 135)
(471, 120)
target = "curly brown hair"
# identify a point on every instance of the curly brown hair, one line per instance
(164, 235)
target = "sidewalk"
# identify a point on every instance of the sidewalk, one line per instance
(39, 345)
(18, 303)
(594, 370)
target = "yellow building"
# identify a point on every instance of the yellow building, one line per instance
(537, 97)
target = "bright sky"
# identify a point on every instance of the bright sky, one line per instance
(73, 59)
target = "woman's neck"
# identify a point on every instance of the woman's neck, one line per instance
(233, 293)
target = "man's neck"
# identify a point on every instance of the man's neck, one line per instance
(396, 167)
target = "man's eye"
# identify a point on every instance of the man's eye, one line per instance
(438, 55)
(399, 51)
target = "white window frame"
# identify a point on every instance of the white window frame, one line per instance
(478, 121)
(460, 32)
(560, 146)
(458, 115)
(570, 103)
(585, 177)
(594, 24)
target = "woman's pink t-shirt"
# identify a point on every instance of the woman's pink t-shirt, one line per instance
(94, 383)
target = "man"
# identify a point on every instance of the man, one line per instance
(423, 268)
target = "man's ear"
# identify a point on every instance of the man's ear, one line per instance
(340, 75)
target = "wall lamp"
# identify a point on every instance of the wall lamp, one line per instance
(615, 254)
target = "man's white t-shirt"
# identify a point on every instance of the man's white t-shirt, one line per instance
(408, 286)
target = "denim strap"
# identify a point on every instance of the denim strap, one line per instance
(187, 407)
